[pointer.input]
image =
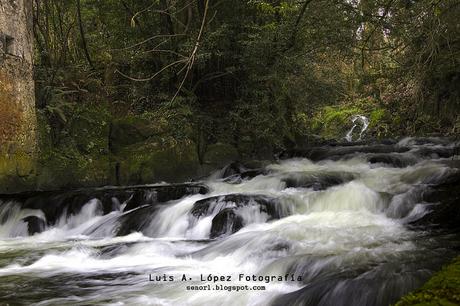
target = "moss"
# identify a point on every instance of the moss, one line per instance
(150, 162)
(377, 115)
(442, 289)
(69, 168)
(380, 123)
(130, 130)
(21, 164)
(17, 156)
(17, 172)
(332, 122)
(220, 154)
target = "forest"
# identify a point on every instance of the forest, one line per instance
(192, 141)
(203, 81)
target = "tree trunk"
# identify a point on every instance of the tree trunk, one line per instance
(82, 34)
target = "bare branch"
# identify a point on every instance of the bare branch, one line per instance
(191, 59)
(133, 19)
(147, 40)
(154, 75)
(166, 51)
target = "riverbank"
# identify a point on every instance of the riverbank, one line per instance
(96, 149)
(442, 289)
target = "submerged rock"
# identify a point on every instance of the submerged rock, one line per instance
(238, 170)
(436, 152)
(232, 169)
(394, 160)
(135, 220)
(226, 221)
(317, 181)
(266, 204)
(161, 194)
(445, 208)
(335, 152)
(34, 224)
(411, 141)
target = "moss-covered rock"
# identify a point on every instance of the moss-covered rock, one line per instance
(130, 130)
(442, 289)
(17, 172)
(220, 154)
(332, 122)
(149, 162)
(84, 145)
(70, 168)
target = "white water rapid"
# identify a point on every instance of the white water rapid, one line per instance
(339, 229)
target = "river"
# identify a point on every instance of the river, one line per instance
(336, 228)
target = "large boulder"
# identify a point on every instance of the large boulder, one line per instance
(229, 215)
(445, 208)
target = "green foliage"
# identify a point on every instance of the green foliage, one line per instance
(74, 152)
(442, 289)
(260, 76)
(150, 162)
(332, 122)
(380, 123)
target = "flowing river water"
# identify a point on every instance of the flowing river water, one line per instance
(334, 230)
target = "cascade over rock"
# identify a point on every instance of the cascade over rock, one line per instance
(332, 219)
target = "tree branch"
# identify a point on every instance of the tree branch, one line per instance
(154, 75)
(297, 22)
(82, 34)
(191, 59)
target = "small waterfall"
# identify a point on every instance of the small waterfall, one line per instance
(365, 123)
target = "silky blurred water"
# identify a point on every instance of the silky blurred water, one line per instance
(349, 243)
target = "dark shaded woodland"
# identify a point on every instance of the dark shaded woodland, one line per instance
(120, 81)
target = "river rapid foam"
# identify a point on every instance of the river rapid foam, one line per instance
(334, 231)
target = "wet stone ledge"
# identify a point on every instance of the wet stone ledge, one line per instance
(56, 203)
